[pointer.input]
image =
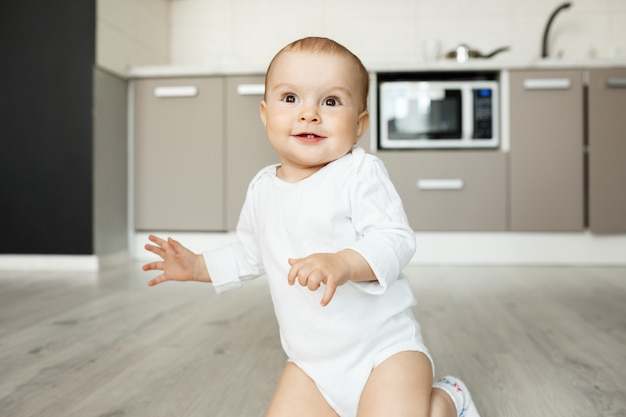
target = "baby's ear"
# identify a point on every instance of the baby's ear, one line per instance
(362, 124)
(262, 112)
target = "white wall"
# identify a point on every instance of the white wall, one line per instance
(217, 32)
(132, 32)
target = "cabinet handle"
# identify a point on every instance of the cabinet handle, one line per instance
(547, 83)
(176, 91)
(616, 83)
(251, 89)
(440, 184)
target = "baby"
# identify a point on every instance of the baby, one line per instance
(328, 228)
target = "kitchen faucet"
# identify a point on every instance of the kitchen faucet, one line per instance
(544, 49)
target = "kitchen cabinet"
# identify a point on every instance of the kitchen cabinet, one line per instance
(546, 183)
(179, 154)
(450, 190)
(607, 150)
(198, 141)
(247, 147)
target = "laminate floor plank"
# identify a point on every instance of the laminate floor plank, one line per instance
(544, 341)
(528, 341)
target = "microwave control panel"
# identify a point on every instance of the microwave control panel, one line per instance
(483, 115)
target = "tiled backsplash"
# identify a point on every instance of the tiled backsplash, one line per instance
(132, 32)
(382, 32)
(392, 31)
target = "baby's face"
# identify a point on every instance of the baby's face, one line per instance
(313, 111)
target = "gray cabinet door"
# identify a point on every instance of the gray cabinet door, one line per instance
(179, 154)
(450, 190)
(247, 147)
(607, 150)
(546, 155)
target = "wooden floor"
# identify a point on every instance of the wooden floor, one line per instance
(528, 341)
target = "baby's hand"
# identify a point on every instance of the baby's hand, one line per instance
(330, 269)
(178, 263)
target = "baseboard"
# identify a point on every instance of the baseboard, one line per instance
(464, 248)
(432, 248)
(112, 260)
(64, 262)
(510, 248)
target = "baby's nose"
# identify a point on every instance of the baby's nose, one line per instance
(309, 114)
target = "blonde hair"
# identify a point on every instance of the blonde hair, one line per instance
(326, 46)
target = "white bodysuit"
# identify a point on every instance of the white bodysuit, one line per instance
(350, 203)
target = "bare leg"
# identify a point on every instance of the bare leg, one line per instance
(401, 386)
(297, 395)
(441, 404)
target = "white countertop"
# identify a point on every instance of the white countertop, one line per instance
(494, 64)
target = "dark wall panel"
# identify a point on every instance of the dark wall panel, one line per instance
(47, 54)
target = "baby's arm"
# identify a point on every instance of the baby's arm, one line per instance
(178, 263)
(330, 269)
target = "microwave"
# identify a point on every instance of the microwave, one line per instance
(418, 114)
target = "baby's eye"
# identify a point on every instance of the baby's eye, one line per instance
(331, 101)
(290, 98)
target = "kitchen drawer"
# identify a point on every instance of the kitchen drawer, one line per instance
(451, 191)
(179, 154)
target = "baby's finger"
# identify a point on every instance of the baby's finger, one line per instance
(314, 280)
(155, 281)
(152, 266)
(293, 272)
(303, 278)
(157, 240)
(291, 277)
(156, 250)
(329, 292)
(175, 245)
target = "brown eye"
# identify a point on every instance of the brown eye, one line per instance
(331, 101)
(290, 98)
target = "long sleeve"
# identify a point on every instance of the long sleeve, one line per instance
(387, 242)
(232, 265)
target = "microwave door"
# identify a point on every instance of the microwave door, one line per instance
(446, 119)
(409, 119)
(428, 114)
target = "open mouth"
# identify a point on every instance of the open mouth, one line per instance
(309, 137)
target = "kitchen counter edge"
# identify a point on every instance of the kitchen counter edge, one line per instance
(166, 71)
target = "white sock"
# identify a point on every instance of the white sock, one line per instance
(460, 395)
